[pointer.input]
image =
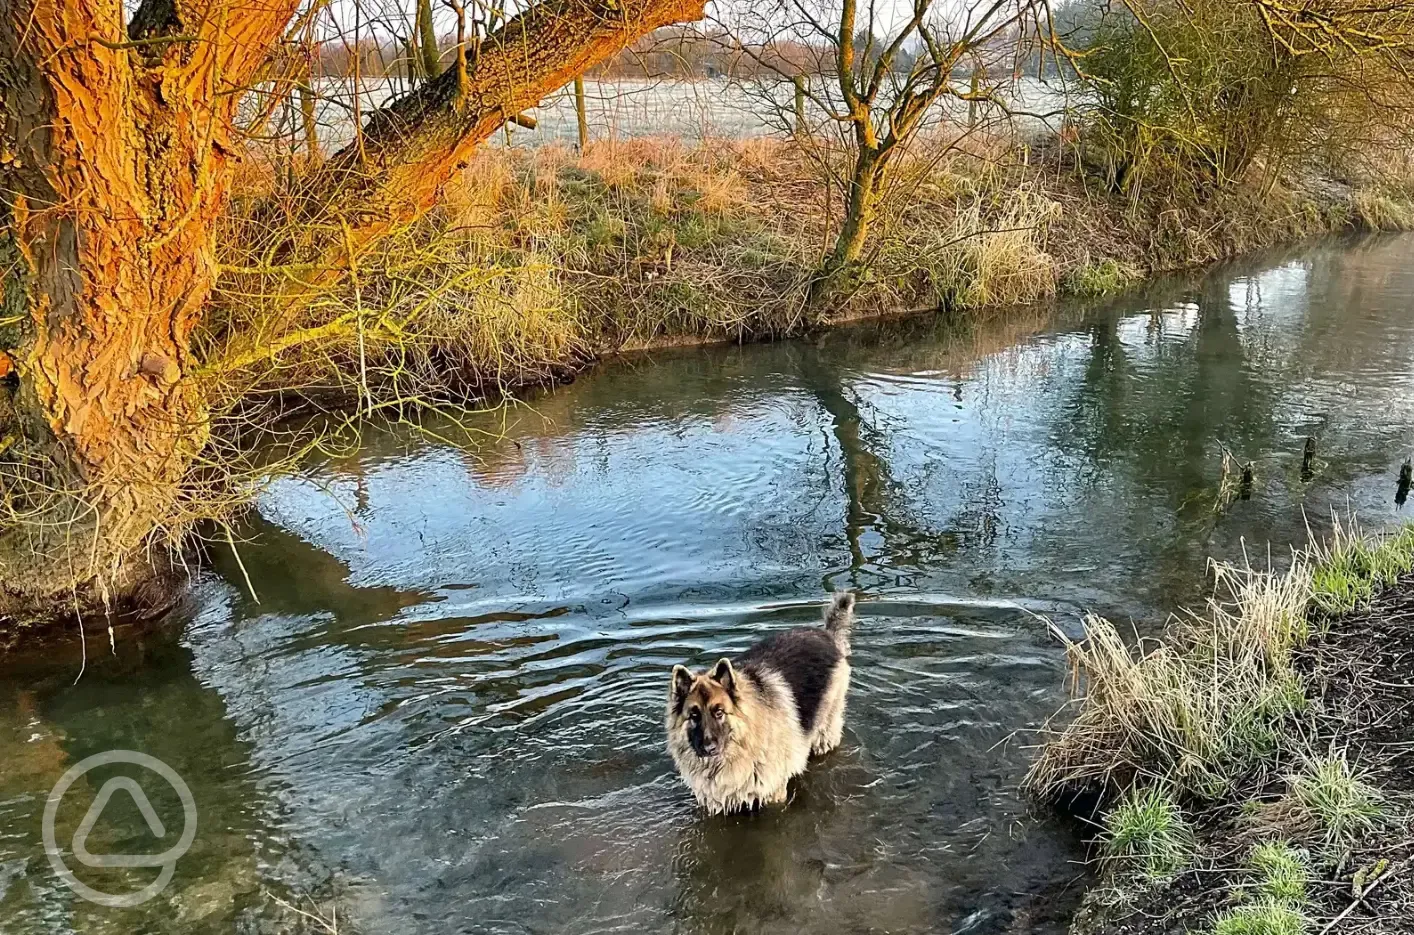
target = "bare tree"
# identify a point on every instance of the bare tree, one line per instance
(876, 75)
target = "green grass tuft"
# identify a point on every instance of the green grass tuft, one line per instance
(1094, 280)
(1262, 918)
(1282, 874)
(1147, 833)
(1352, 567)
(1330, 799)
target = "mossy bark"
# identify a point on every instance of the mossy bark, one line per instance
(842, 272)
(427, 40)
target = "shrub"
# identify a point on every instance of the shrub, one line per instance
(1193, 96)
(1147, 833)
(1262, 918)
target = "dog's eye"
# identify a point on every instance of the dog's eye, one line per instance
(719, 713)
(695, 714)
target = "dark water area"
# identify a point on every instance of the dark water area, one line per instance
(442, 709)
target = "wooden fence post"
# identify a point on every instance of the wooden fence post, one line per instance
(579, 113)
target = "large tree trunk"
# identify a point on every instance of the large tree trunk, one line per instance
(113, 165)
(114, 161)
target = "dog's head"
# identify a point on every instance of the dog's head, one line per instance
(701, 708)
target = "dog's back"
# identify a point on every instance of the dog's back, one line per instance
(812, 662)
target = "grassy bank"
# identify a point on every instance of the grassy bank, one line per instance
(538, 261)
(1249, 774)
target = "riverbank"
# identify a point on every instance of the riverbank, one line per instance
(1250, 774)
(540, 261)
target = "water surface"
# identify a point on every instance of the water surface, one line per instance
(441, 709)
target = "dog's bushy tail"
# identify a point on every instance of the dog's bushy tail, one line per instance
(839, 619)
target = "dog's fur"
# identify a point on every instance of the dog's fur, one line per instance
(738, 733)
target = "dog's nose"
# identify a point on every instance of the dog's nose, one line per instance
(710, 749)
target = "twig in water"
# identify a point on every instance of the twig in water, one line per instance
(330, 925)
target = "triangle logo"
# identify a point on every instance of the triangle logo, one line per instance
(144, 806)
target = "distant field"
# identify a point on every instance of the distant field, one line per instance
(690, 110)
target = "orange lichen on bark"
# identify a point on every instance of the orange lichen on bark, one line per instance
(123, 155)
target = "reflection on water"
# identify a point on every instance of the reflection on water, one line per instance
(441, 710)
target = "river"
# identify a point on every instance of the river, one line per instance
(441, 710)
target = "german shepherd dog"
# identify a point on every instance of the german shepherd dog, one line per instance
(739, 732)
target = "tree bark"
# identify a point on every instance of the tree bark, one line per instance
(427, 40)
(114, 164)
(839, 274)
(581, 117)
(308, 120)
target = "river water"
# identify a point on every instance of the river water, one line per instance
(441, 711)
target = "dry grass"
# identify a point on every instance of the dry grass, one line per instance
(1222, 748)
(1192, 709)
(1383, 211)
(1200, 706)
(989, 252)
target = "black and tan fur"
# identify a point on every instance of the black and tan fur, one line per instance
(740, 731)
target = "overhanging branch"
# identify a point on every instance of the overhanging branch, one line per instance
(412, 147)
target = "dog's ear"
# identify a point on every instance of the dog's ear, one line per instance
(682, 683)
(724, 673)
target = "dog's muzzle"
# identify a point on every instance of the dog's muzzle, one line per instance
(703, 746)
